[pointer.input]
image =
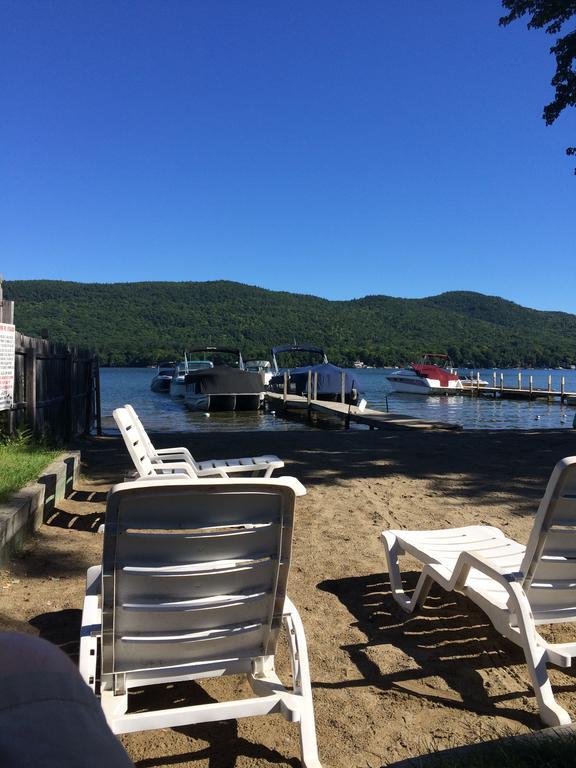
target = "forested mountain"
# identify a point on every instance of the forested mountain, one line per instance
(141, 323)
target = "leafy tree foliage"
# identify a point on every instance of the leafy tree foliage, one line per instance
(552, 15)
(143, 323)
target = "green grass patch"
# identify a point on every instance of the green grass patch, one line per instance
(22, 461)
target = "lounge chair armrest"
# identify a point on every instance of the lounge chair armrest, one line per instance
(181, 452)
(174, 468)
(472, 559)
(518, 604)
(295, 484)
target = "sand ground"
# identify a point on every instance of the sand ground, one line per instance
(386, 686)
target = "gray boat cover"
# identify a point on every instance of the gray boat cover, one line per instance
(329, 379)
(222, 380)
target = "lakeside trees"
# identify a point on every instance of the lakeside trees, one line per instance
(551, 15)
(142, 323)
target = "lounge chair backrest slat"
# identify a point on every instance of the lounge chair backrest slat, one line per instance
(194, 572)
(151, 451)
(549, 564)
(134, 443)
(136, 421)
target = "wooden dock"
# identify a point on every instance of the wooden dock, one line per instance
(522, 391)
(351, 413)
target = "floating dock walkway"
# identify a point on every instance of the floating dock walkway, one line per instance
(351, 413)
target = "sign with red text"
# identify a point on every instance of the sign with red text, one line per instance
(7, 353)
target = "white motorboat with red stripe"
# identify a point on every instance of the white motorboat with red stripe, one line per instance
(433, 375)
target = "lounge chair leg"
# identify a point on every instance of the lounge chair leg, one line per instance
(421, 591)
(114, 707)
(302, 685)
(551, 713)
(393, 551)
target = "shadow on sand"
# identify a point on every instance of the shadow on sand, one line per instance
(449, 640)
(474, 464)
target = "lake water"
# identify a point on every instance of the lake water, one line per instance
(160, 412)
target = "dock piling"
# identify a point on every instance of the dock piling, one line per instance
(522, 390)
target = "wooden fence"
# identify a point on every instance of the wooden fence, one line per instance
(56, 389)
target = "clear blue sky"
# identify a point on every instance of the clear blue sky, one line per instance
(338, 148)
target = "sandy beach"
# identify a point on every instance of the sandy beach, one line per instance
(386, 686)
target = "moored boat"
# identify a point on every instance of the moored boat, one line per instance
(223, 387)
(327, 379)
(433, 375)
(163, 377)
(262, 367)
(178, 381)
(473, 382)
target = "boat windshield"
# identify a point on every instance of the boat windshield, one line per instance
(228, 356)
(166, 369)
(434, 358)
(187, 366)
(256, 366)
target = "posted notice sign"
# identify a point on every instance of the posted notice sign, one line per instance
(7, 352)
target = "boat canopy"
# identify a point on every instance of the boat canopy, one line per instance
(329, 379)
(296, 348)
(234, 350)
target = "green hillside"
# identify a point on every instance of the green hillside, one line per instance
(141, 323)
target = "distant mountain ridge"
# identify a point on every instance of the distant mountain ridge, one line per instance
(141, 323)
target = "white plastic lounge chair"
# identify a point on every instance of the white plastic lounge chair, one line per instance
(193, 585)
(257, 465)
(142, 463)
(518, 587)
